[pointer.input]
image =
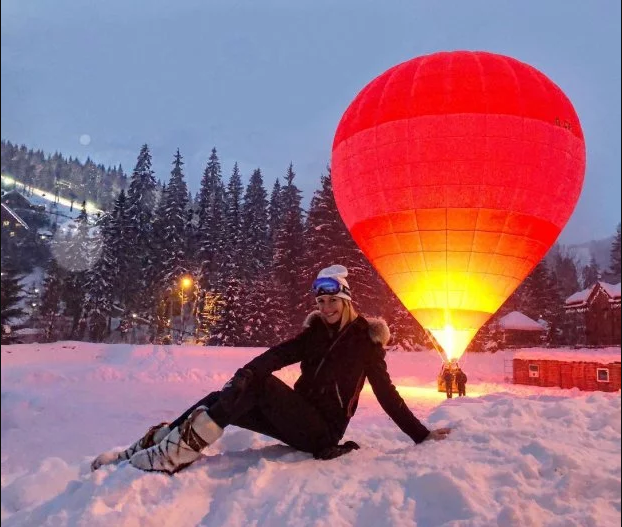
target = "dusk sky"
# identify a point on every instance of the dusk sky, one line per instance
(266, 82)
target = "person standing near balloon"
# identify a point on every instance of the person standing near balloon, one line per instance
(337, 350)
(448, 377)
(461, 380)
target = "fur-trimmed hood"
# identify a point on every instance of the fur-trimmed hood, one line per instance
(379, 331)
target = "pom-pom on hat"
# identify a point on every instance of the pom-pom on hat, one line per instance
(332, 281)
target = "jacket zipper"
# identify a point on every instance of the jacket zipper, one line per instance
(317, 370)
(338, 394)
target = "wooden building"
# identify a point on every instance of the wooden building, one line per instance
(518, 330)
(593, 315)
(589, 370)
(12, 224)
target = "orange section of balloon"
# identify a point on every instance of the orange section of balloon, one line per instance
(455, 173)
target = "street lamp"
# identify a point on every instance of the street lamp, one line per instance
(134, 316)
(186, 283)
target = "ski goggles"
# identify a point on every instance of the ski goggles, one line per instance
(328, 286)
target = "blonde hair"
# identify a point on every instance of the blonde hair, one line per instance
(348, 314)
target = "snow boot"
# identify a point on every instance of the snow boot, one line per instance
(182, 446)
(153, 436)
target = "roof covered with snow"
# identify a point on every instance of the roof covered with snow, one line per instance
(581, 297)
(613, 290)
(519, 321)
(15, 216)
(600, 355)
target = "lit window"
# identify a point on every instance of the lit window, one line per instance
(6, 223)
(602, 374)
(12, 233)
(534, 370)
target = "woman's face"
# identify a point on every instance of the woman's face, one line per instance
(331, 308)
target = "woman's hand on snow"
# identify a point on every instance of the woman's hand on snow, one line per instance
(439, 434)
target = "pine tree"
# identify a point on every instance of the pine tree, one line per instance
(173, 222)
(616, 265)
(170, 243)
(78, 256)
(565, 271)
(106, 280)
(255, 227)
(12, 293)
(266, 319)
(591, 273)
(51, 304)
(210, 225)
(288, 252)
(275, 215)
(141, 201)
(206, 316)
(230, 327)
(233, 242)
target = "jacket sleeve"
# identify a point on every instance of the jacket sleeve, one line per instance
(289, 352)
(389, 398)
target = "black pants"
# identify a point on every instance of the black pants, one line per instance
(271, 408)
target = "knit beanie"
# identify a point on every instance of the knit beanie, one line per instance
(339, 273)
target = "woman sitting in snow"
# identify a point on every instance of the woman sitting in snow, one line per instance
(338, 349)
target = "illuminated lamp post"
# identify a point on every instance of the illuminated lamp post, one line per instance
(134, 316)
(186, 282)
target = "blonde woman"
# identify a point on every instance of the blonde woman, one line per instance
(337, 350)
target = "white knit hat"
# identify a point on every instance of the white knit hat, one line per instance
(338, 273)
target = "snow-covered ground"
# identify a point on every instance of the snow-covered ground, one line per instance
(518, 456)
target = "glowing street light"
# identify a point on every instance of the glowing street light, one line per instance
(186, 283)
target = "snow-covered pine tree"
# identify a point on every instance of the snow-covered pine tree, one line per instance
(174, 209)
(78, 255)
(172, 264)
(229, 329)
(288, 254)
(257, 262)
(206, 315)
(275, 214)
(12, 293)
(107, 279)
(210, 224)
(255, 227)
(141, 201)
(590, 273)
(564, 270)
(51, 304)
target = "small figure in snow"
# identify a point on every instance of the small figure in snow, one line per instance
(448, 377)
(461, 380)
(337, 350)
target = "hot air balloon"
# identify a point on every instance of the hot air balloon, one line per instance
(455, 173)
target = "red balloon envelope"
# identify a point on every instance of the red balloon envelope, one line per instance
(455, 172)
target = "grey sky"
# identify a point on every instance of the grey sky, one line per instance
(266, 82)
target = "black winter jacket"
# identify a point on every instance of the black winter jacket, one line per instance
(334, 369)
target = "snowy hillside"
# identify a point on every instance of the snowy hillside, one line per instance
(518, 456)
(600, 249)
(61, 210)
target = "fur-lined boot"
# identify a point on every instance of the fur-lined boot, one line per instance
(182, 446)
(153, 436)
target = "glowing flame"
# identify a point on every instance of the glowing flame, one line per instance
(453, 341)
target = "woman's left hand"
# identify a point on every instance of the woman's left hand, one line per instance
(439, 434)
